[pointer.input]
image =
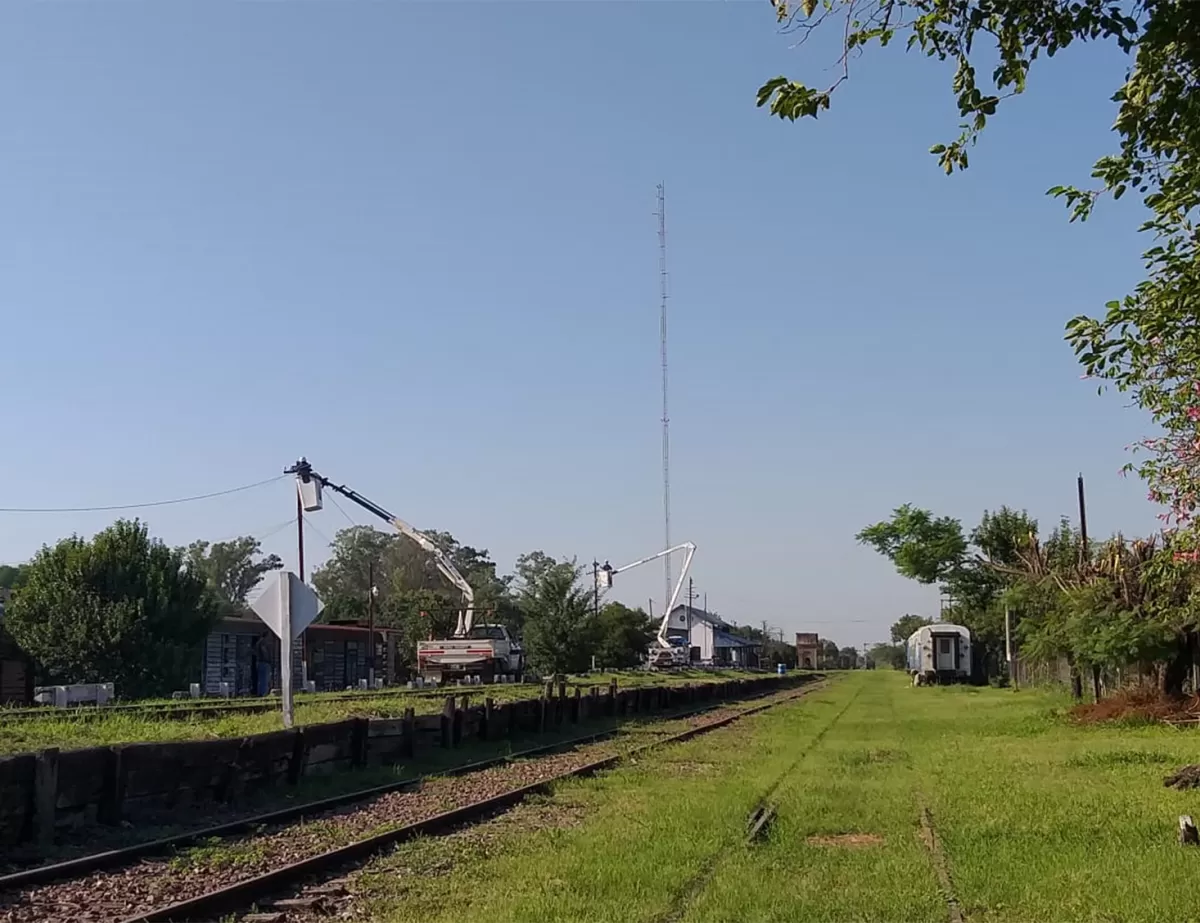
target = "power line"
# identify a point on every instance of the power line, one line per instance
(308, 522)
(333, 500)
(138, 506)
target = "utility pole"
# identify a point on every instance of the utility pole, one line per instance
(285, 647)
(1084, 558)
(1083, 535)
(595, 587)
(300, 531)
(1008, 645)
(706, 600)
(370, 624)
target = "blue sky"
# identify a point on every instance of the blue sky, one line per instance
(415, 242)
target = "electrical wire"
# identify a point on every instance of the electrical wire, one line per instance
(139, 506)
(333, 500)
(308, 522)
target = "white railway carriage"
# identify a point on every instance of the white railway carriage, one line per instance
(940, 653)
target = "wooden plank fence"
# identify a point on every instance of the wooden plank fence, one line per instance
(44, 791)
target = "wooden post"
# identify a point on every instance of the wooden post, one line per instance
(358, 742)
(447, 722)
(295, 769)
(485, 724)
(45, 795)
(562, 687)
(457, 726)
(112, 792)
(612, 697)
(543, 708)
(575, 705)
(408, 733)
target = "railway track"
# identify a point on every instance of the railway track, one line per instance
(757, 824)
(229, 868)
(217, 708)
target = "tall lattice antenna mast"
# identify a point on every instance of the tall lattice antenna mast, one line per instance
(666, 418)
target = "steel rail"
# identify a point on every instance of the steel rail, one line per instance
(115, 858)
(237, 896)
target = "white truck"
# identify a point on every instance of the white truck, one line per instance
(487, 651)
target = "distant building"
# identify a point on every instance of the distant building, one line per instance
(710, 638)
(808, 650)
(245, 654)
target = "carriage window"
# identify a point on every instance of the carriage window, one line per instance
(945, 642)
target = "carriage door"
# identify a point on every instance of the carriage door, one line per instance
(945, 654)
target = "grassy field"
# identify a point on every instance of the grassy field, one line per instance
(1037, 820)
(64, 730)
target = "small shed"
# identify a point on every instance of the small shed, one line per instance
(245, 654)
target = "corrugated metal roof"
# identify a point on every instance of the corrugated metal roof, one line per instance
(725, 639)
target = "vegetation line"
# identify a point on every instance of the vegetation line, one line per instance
(695, 886)
(940, 864)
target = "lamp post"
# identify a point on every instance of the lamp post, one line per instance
(372, 592)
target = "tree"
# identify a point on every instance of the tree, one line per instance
(904, 626)
(558, 613)
(621, 636)
(12, 578)
(1147, 344)
(922, 548)
(343, 581)
(829, 655)
(848, 658)
(893, 656)
(232, 569)
(973, 574)
(406, 578)
(121, 608)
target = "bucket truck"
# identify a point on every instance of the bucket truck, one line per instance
(663, 653)
(486, 651)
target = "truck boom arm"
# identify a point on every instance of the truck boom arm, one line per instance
(687, 563)
(304, 472)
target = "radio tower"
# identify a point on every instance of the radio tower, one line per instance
(666, 419)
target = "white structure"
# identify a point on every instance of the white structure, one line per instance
(78, 694)
(709, 638)
(940, 651)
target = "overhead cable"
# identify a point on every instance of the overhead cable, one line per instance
(138, 506)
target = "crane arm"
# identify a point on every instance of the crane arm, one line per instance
(690, 548)
(304, 472)
(654, 557)
(666, 622)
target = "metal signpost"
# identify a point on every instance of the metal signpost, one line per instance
(287, 607)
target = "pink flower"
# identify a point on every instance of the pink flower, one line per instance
(1193, 413)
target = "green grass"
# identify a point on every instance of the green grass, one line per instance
(1040, 820)
(67, 731)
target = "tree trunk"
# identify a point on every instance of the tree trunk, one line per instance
(1096, 682)
(1177, 668)
(1076, 679)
